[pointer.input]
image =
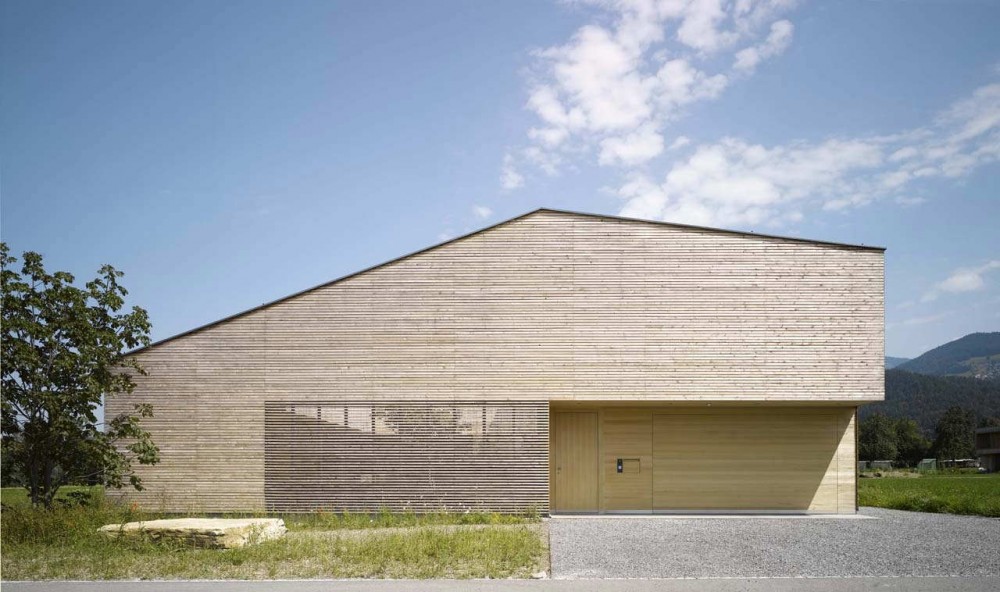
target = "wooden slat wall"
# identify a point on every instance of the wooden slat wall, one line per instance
(552, 306)
(406, 456)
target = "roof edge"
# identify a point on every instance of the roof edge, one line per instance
(712, 229)
(330, 282)
(482, 230)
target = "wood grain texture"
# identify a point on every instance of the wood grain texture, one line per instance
(782, 459)
(548, 307)
(627, 434)
(752, 458)
(847, 461)
(575, 471)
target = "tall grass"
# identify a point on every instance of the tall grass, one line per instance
(64, 524)
(323, 520)
(954, 493)
(63, 543)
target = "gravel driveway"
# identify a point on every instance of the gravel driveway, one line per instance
(895, 544)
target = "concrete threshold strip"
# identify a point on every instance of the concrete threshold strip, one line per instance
(719, 516)
(783, 584)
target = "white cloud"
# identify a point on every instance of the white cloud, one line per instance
(549, 162)
(509, 177)
(964, 279)
(679, 143)
(615, 87)
(609, 93)
(734, 182)
(680, 83)
(632, 149)
(776, 43)
(482, 212)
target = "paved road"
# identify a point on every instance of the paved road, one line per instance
(717, 585)
(895, 544)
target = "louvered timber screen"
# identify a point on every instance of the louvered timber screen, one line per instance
(420, 456)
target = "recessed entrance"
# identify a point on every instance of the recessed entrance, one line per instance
(692, 459)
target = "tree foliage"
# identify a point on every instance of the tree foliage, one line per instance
(63, 349)
(877, 438)
(926, 398)
(955, 434)
(911, 445)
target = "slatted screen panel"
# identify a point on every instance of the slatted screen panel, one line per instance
(422, 456)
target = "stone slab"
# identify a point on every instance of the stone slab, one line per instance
(212, 533)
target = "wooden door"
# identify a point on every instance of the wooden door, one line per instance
(744, 460)
(574, 450)
(628, 437)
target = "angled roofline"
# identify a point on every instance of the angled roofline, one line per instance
(485, 229)
(711, 229)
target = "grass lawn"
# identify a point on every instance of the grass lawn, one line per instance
(63, 544)
(948, 493)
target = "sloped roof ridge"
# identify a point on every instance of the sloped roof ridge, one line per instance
(486, 229)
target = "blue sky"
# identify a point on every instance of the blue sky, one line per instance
(227, 154)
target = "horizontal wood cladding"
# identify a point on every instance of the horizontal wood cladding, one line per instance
(551, 306)
(406, 456)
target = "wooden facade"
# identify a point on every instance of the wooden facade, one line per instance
(548, 308)
(696, 458)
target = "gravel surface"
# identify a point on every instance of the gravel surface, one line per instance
(896, 544)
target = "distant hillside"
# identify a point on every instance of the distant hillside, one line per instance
(891, 362)
(976, 355)
(925, 398)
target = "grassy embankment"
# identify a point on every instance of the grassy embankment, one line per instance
(946, 493)
(63, 544)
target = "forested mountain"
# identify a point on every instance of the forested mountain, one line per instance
(926, 398)
(976, 355)
(891, 362)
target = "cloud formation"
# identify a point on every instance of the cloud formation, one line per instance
(963, 279)
(776, 43)
(482, 212)
(614, 87)
(733, 182)
(607, 95)
(509, 177)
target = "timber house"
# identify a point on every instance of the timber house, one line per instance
(556, 362)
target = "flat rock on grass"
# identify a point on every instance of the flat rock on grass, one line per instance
(211, 533)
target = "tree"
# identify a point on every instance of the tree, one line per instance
(877, 438)
(63, 349)
(990, 422)
(955, 434)
(911, 445)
